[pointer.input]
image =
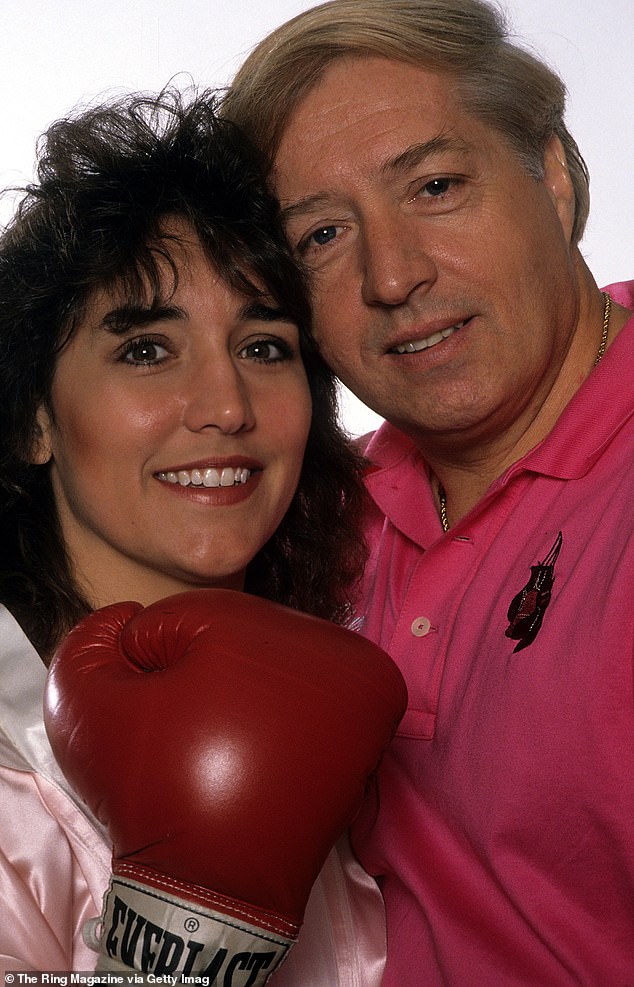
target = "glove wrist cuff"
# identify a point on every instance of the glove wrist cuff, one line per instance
(151, 924)
(184, 892)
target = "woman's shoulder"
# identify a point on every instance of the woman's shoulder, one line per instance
(54, 868)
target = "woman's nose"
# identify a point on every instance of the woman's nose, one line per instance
(218, 397)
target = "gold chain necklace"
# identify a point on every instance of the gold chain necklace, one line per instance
(607, 305)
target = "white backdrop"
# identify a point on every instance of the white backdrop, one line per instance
(54, 55)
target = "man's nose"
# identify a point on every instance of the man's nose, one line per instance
(395, 262)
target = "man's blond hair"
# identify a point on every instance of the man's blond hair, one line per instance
(500, 82)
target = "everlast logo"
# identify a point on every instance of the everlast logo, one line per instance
(144, 946)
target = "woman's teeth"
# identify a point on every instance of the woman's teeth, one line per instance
(424, 344)
(226, 477)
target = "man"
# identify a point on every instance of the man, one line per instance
(432, 188)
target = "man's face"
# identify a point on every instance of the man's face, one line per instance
(442, 275)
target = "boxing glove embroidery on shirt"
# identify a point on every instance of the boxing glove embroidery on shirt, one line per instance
(527, 609)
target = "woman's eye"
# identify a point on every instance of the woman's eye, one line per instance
(265, 351)
(144, 352)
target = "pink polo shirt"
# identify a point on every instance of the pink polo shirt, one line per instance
(503, 834)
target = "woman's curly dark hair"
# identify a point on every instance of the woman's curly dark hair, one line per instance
(108, 179)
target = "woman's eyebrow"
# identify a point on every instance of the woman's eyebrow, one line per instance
(264, 311)
(123, 318)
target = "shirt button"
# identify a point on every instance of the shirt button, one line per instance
(421, 626)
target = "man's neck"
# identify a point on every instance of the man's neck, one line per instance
(462, 471)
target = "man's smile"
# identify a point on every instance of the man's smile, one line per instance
(416, 345)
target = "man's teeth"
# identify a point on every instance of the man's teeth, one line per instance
(226, 477)
(424, 344)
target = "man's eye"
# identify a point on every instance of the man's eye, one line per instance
(437, 187)
(323, 235)
(144, 352)
(265, 351)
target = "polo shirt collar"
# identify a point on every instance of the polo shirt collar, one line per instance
(596, 413)
(397, 476)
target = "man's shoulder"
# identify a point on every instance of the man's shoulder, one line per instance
(361, 442)
(621, 292)
(386, 447)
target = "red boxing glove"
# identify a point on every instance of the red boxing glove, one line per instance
(226, 742)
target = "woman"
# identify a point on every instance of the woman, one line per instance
(167, 424)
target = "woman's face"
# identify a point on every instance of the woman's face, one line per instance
(176, 436)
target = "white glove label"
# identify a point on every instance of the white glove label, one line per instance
(149, 931)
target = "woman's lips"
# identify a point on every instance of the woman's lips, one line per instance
(225, 476)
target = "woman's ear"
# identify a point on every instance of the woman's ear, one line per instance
(41, 447)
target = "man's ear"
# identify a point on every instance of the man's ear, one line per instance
(559, 184)
(42, 446)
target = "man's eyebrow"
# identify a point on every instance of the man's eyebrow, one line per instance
(124, 318)
(417, 153)
(409, 158)
(307, 204)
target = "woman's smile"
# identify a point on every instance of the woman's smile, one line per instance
(207, 411)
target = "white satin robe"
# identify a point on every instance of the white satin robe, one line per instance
(55, 859)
